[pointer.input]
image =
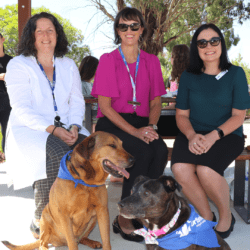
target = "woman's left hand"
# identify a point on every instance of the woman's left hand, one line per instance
(211, 138)
(150, 134)
(74, 132)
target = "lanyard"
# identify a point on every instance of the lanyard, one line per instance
(51, 84)
(136, 71)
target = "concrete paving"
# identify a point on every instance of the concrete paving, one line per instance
(17, 208)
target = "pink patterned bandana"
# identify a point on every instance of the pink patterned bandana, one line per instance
(151, 235)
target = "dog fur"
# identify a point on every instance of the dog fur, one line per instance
(154, 203)
(72, 213)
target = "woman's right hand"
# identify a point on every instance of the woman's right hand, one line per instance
(64, 135)
(146, 134)
(196, 145)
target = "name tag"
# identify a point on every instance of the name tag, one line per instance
(221, 74)
(134, 103)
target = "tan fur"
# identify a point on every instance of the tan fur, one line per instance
(72, 213)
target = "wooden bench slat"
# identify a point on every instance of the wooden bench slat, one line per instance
(244, 156)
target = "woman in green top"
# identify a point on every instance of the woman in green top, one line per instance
(210, 110)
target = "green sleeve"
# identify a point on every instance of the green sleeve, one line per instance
(182, 100)
(241, 98)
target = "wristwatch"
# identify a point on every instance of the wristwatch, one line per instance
(220, 132)
(153, 126)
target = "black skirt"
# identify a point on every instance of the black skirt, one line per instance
(219, 156)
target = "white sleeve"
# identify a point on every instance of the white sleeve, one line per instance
(20, 93)
(76, 102)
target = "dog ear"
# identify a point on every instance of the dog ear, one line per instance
(169, 183)
(86, 147)
(140, 178)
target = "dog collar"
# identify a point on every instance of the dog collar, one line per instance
(151, 235)
(167, 227)
(66, 175)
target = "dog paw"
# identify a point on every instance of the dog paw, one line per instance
(91, 243)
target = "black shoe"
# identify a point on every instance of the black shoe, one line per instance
(225, 234)
(35, 230)
(214, 217)
(136, 224)
(130, 237)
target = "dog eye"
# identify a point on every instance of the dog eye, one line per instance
(112, 145)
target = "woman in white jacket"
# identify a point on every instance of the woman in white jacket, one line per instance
(43, 86)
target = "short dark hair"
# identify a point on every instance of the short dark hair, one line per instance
(26, 45)
(2, 37)
(88, 67)
(129, 14)
(180, 54)
(196, 64)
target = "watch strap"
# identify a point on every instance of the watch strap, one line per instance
(220, 132)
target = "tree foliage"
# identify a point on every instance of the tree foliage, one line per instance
(9, 29)
(174, 21)
(246, 67)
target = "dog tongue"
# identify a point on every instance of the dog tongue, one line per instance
(121, 170)
(124, 172)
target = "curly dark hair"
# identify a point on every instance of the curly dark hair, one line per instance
(26, 45)
(88, 67)
(196, 65)
(130, 14)
(180, 54)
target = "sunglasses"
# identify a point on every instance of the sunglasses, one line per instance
(215, 41)
(124, 27)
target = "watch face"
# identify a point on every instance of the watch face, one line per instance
(155, 127)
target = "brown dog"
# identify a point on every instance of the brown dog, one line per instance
(168, 217)
(72, 212)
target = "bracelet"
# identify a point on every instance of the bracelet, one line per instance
(53, 130)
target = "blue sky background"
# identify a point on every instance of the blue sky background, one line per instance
(79, 12)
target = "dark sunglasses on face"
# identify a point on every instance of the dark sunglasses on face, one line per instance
(124, 27)
(215, 41)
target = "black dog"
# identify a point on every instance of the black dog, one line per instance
(167, 217)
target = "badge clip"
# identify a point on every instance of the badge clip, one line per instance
(134, 103)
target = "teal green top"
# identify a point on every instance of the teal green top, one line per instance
(211, 101)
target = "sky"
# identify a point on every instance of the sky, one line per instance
(99, 42)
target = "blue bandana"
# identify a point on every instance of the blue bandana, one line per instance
(66, 175)
(196, 231)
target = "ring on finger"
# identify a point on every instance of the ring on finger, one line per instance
(194, 143)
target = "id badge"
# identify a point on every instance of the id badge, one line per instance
(134, 103)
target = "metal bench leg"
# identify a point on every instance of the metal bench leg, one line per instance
(239, 191)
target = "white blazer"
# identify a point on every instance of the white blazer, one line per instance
(33, 111)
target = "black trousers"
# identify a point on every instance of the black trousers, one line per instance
(4, 115)
(150, 159)
(55, 150)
